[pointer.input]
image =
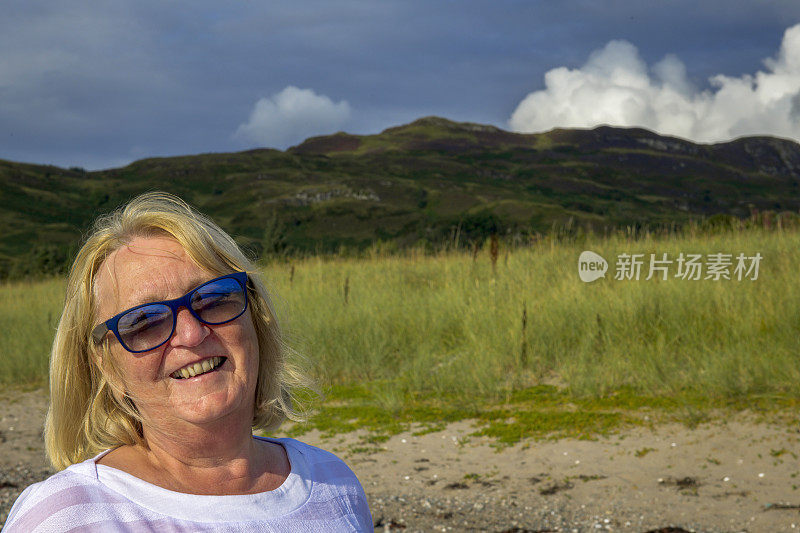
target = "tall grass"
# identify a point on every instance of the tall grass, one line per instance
(421, 326)
(449, 326)
(29, 313)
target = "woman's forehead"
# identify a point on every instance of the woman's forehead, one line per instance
(146, 269)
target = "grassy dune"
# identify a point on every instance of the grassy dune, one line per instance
(447, 325)
(29, 313)
(431, 338)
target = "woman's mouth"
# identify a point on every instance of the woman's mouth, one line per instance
(201, 367)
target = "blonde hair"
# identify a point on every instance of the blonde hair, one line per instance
(88, 412)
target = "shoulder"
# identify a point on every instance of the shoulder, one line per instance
(336, 488)
(324, 466)
(308, 450)
(59, 495)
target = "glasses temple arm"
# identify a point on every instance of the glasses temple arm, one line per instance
(99, 332)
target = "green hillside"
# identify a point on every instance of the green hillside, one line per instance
(426, 181)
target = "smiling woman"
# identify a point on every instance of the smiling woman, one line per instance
(167, 357)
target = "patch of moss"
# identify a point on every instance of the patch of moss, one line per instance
(508, 428)
(538, 412)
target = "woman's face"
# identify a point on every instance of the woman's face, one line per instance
(154, 269)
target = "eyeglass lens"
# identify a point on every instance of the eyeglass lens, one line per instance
(148, 326)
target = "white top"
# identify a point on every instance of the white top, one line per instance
(320, 494)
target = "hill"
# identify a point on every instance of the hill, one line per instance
(424, 181)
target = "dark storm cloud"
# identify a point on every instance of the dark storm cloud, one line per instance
(102, 83)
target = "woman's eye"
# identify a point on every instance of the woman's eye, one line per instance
(142, 320)
(211, 300)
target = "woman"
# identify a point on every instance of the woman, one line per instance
(166, 358)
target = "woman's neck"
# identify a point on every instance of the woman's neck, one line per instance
(202, 460)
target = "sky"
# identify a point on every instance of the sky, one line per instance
(99, 84)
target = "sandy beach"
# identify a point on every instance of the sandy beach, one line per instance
(735, 475)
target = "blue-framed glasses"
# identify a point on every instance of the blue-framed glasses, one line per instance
(148, 326)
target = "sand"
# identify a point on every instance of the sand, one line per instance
(739, 474)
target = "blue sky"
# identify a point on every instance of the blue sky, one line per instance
(100, 84)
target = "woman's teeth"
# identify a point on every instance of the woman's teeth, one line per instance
(198, 368)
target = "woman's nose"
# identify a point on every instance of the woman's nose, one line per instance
(188, 330)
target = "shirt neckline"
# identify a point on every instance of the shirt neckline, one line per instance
(289, 496)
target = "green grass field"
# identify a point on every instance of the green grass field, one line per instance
(417, 338)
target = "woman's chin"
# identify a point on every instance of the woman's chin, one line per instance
(199, 403)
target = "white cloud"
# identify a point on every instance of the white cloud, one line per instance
(616, 87)
(291, 116)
